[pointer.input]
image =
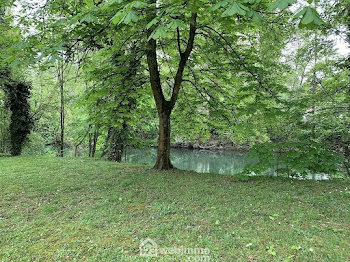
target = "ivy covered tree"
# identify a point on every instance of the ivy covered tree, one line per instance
(20, 122)
(17, 93)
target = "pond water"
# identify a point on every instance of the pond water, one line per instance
(201, 161)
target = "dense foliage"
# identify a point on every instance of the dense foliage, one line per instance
(261, 75)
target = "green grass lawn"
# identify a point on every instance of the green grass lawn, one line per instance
(67, 209)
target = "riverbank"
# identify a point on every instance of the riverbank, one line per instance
(54, 209)
(212, 144)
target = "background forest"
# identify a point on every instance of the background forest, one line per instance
(269, 77)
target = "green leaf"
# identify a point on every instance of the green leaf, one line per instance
(89, 18)
(152, 23)
(139, 4)
(89, 3)
(176, 24)
(256, 17)
(300, 13)
(108, 4)
(117, 17)
(130, 17)
(281, 4)
(161, 31)
(310, 18)
(235, 8)
(218, 5)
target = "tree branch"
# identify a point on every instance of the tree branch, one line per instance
(183, 60)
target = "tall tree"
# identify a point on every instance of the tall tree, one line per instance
(60, 81)
(169, 25)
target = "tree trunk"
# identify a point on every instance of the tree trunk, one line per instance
(62, 123)
(163, 156)
(79, 143)
(115, 143)
(61, 84)
(94, 144)
(116, 152)
(90, 141)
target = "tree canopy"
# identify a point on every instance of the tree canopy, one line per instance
(261, 74)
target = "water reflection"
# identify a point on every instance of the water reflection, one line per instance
(204, 161)
(201, 161)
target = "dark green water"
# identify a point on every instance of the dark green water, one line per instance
(201, 161)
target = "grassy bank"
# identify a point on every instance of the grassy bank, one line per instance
(87, 210)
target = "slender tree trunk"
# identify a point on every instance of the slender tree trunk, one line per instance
(79, 143)
(106, 146)
(90, 141)
(94, 143)
(61, 84)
